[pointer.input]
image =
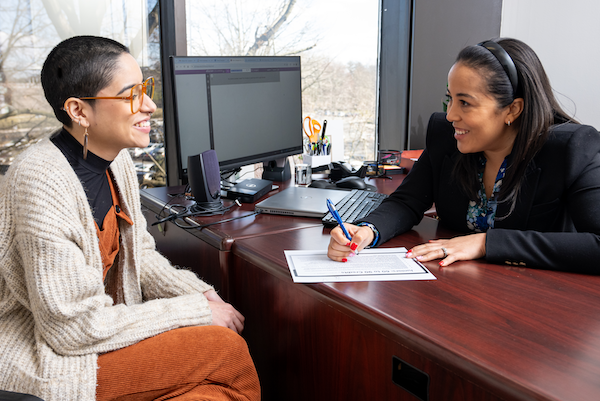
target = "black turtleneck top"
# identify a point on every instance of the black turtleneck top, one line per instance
(91, 173)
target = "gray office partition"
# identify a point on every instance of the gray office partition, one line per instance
(418, 44)
(396, 18)
(441, 29)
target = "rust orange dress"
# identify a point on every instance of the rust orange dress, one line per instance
(189, 363)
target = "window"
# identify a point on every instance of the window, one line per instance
(336, 39)
(29, 29)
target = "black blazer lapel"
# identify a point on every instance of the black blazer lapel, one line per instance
(451, 202)
(519, 218)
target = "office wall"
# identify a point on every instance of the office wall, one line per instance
(566, 37)
(441, 30)
(394, 71)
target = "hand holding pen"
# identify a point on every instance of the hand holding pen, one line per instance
(337, 218)
(347, 239)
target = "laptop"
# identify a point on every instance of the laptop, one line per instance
(301, 201)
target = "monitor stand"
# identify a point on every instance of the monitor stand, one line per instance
(277, 170)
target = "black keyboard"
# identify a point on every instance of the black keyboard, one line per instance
(356, 205)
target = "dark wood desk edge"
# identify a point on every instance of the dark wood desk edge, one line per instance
(220, 240)
(213, 236)
(155, 201)
(411, 339)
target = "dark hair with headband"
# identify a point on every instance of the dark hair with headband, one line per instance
(506, 62)
(511, 70)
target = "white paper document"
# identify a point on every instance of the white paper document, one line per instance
(379, 264)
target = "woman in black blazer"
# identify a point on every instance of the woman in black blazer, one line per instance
(506, 166)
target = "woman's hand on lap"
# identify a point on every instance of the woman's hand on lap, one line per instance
(223, 314)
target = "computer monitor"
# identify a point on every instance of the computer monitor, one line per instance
(248, 109)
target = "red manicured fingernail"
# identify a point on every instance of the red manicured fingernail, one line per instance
(441, 263)
(348, 244)
(354, 246)
(344, 260)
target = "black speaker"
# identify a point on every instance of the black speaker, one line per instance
(204, 177)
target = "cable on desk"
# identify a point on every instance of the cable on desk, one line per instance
(226, 175)
(197, 209)
(189, 227)
(184, 208)
(186, 192)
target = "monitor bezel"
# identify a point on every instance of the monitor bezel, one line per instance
(232, 164)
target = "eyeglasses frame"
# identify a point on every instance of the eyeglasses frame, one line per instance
(130, 97)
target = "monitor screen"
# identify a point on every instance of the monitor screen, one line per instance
(248, 109)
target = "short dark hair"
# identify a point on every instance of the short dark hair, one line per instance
(540, 111)
(78, 67)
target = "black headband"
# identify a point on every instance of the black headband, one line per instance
(505, 61)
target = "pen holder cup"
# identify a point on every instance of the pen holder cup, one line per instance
(316, 161)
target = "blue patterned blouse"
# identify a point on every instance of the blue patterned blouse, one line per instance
(481, 212)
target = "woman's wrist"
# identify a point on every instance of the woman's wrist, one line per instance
(375, 233)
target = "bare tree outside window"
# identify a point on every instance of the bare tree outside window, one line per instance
(333, 87)
(29, 29)
(25, 116)
(338, 81)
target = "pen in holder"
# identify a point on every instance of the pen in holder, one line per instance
(317, 153)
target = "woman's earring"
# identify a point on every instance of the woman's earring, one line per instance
(85, 141)
(508, 123)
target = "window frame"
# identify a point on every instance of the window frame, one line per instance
(393, 74)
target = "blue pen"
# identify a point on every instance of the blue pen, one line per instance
(337, 218)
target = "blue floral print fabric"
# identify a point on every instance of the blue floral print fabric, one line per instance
(481, 212)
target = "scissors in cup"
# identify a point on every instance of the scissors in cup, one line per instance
(314, 127)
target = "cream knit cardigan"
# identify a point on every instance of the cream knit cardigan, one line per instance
(55, 316)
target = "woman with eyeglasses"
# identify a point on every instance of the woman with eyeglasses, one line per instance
(506, 167)
(88, 308)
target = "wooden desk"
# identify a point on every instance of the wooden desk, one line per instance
(183, 248)
(206, 251)
(481, 331)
